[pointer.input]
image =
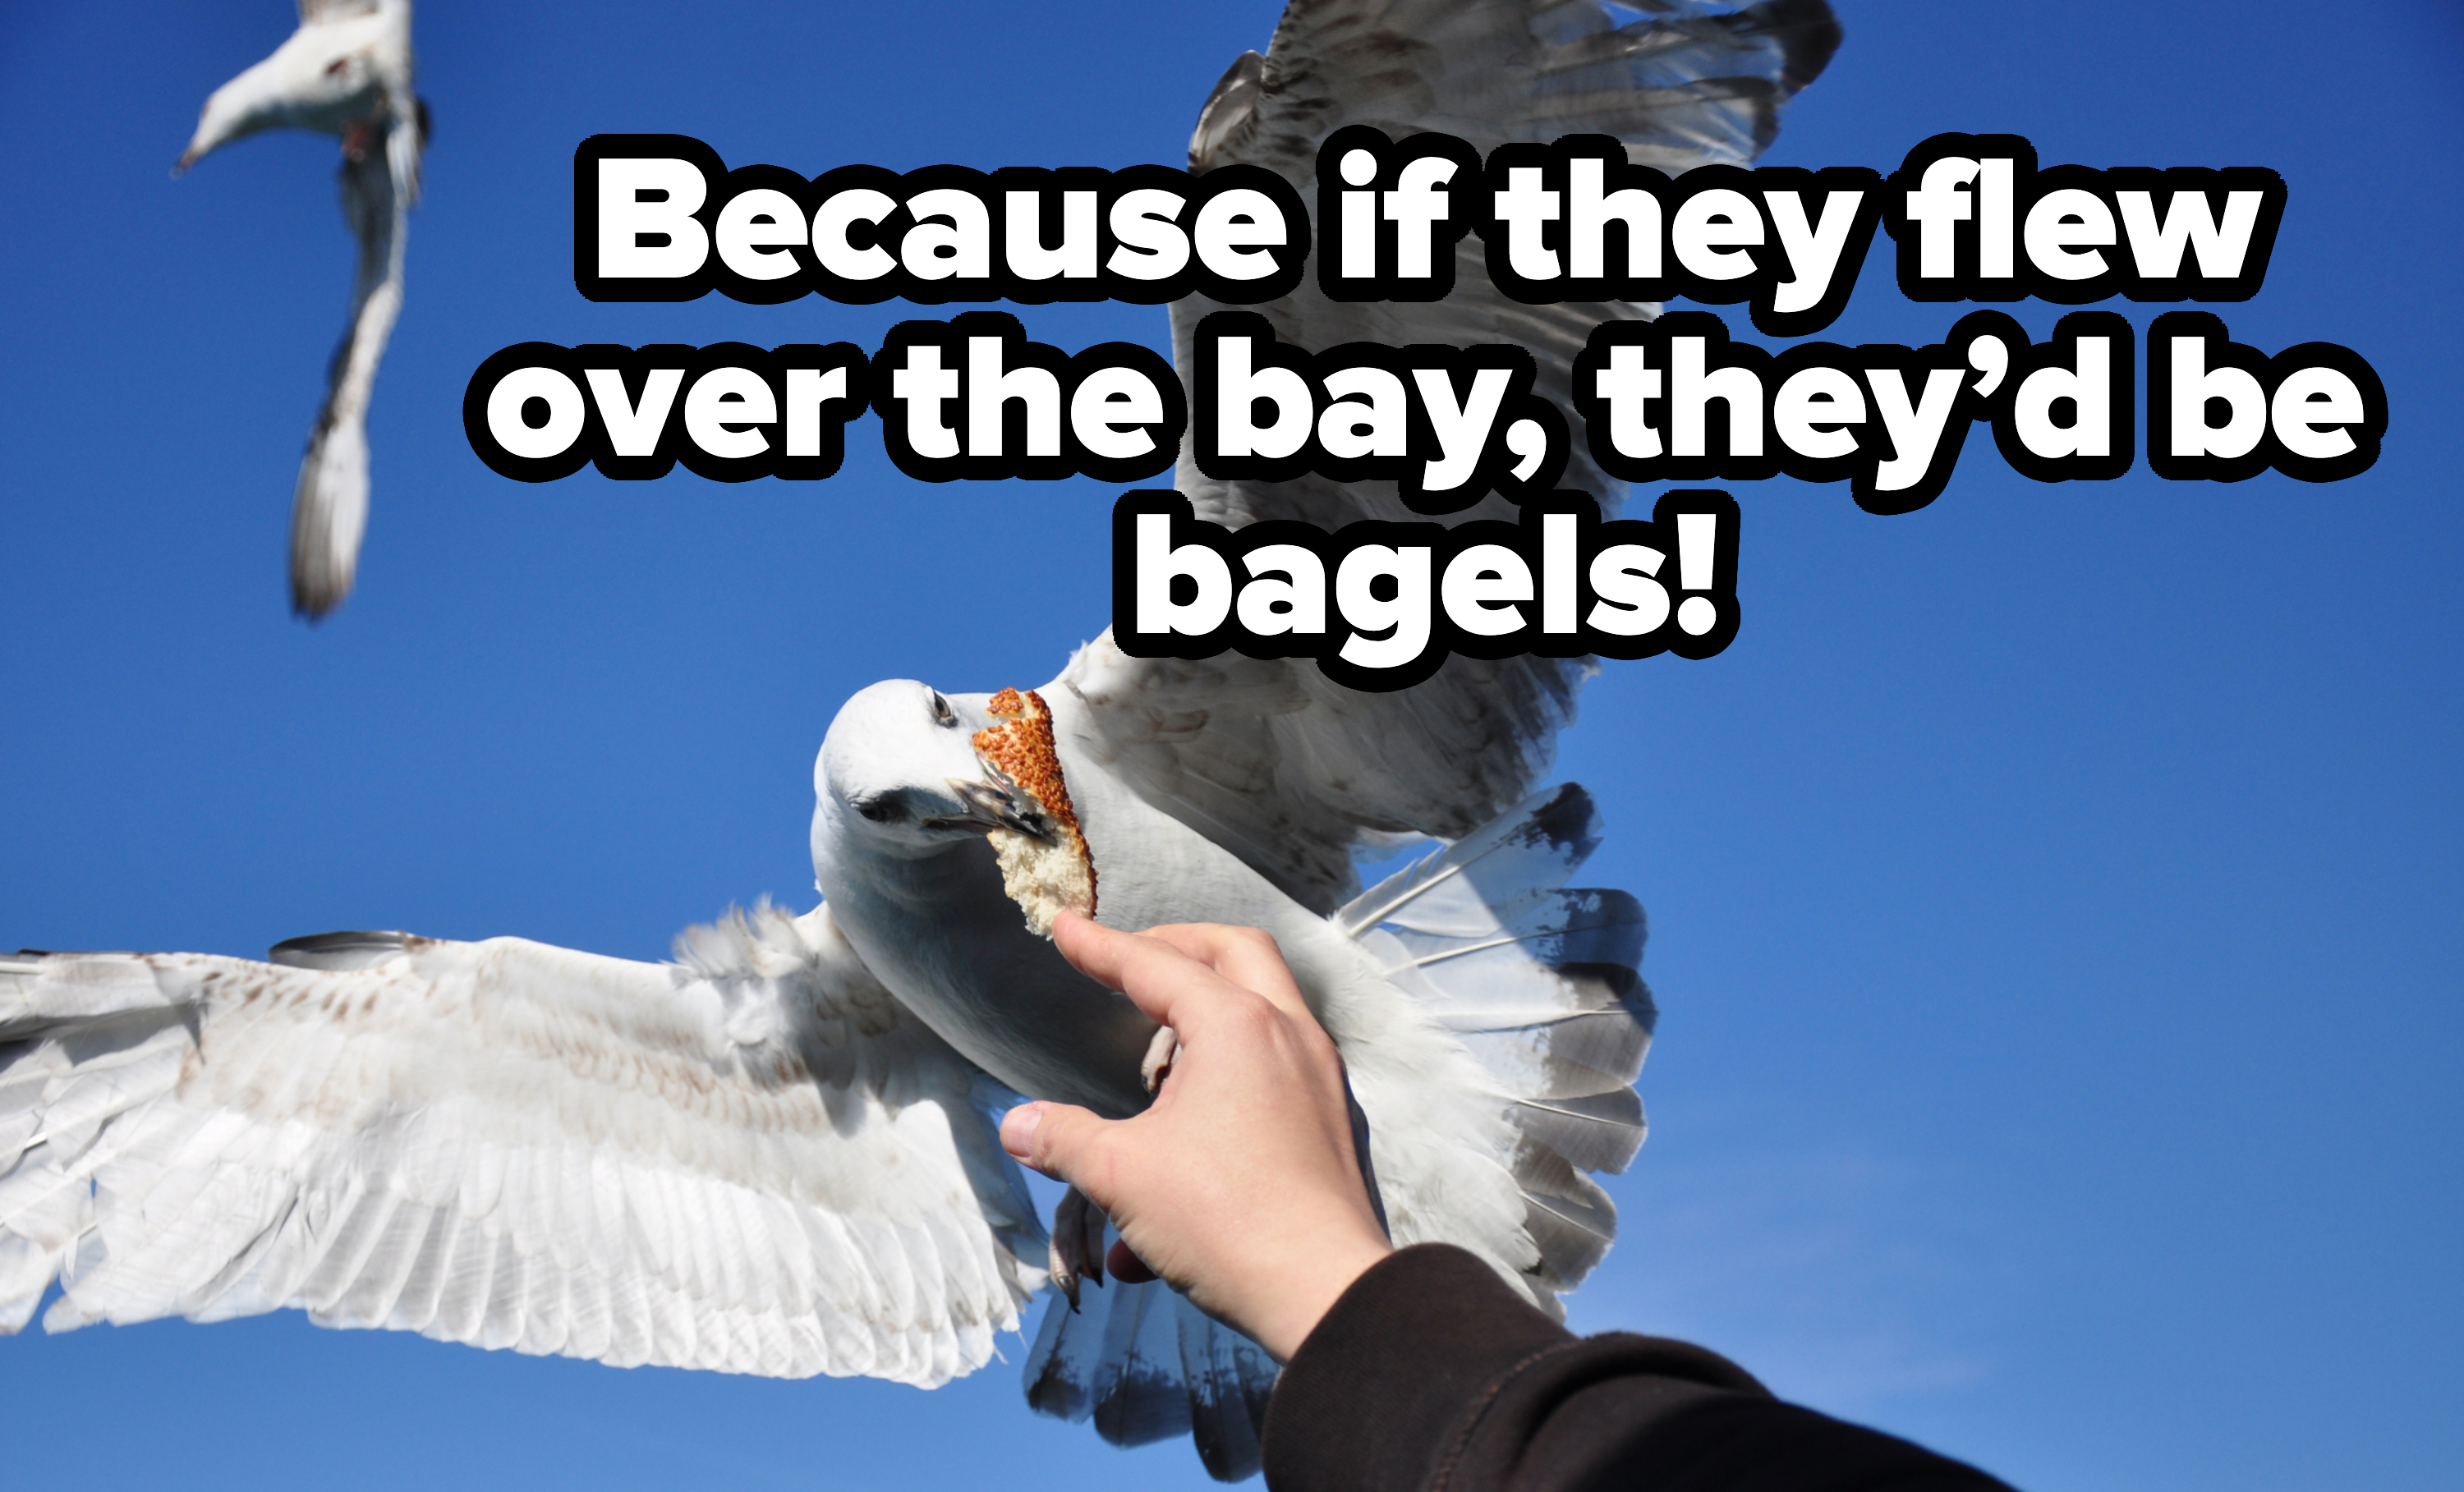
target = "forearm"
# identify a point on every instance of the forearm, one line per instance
(1432, 1373)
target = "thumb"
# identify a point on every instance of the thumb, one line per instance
(1056, 1139)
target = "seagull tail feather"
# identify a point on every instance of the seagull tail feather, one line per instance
(1541, 983)
(1145, 1364)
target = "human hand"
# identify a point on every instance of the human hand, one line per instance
(1238, 1184)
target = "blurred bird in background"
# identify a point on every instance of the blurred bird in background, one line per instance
(345, 72)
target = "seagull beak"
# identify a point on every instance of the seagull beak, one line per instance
(997, 806)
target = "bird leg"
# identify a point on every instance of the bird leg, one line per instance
(1078, 1224)
(1156, 1064)
(1077, 1248)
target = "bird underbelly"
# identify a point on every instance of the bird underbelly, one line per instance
(337, 114)
(940, 933)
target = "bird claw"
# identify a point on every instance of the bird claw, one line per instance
(1077, 1248)
(1156, 1064)
(1076, 1252)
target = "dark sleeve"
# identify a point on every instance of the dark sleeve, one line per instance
(1433, 1374)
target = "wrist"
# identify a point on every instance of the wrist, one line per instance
(1301, 1297)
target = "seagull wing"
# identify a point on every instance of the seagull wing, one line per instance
(1688, 85)
(329, 512)
(1685, 84)
(1268, 757)
(753, 1160)
(318, 12)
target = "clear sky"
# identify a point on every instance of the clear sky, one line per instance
(2055, 890)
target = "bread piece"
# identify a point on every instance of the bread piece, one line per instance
(1043, 877)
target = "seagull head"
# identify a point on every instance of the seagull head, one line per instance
(239, 108)
(899, 770)
(325, 78)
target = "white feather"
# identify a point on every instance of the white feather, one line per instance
(513, 1145)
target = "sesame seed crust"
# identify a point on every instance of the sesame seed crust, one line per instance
(1022, 750)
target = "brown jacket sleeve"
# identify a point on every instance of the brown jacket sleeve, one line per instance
(1431, 1374)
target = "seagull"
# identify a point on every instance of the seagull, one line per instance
(345, 72)
(778, 1153)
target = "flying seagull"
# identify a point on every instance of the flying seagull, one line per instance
(346, 72)
(777, 1153)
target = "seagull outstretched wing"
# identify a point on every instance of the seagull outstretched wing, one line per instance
(1268, 758)
(753, 1160)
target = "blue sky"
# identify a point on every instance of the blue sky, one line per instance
(2054, 890)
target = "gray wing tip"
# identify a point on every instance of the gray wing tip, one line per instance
(341, 952)
(1808, 33)
(1570, 814)
(1231, 106)
(313, 601)
(1563, 816)
(324, 562)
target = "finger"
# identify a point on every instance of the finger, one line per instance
(1055, 1139)
(1157, 977)
(1248, 956)
(1126, 1264)
(1092, 948)
(1175, 989)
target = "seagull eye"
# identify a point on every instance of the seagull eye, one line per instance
(884, 808)
(942, 714)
